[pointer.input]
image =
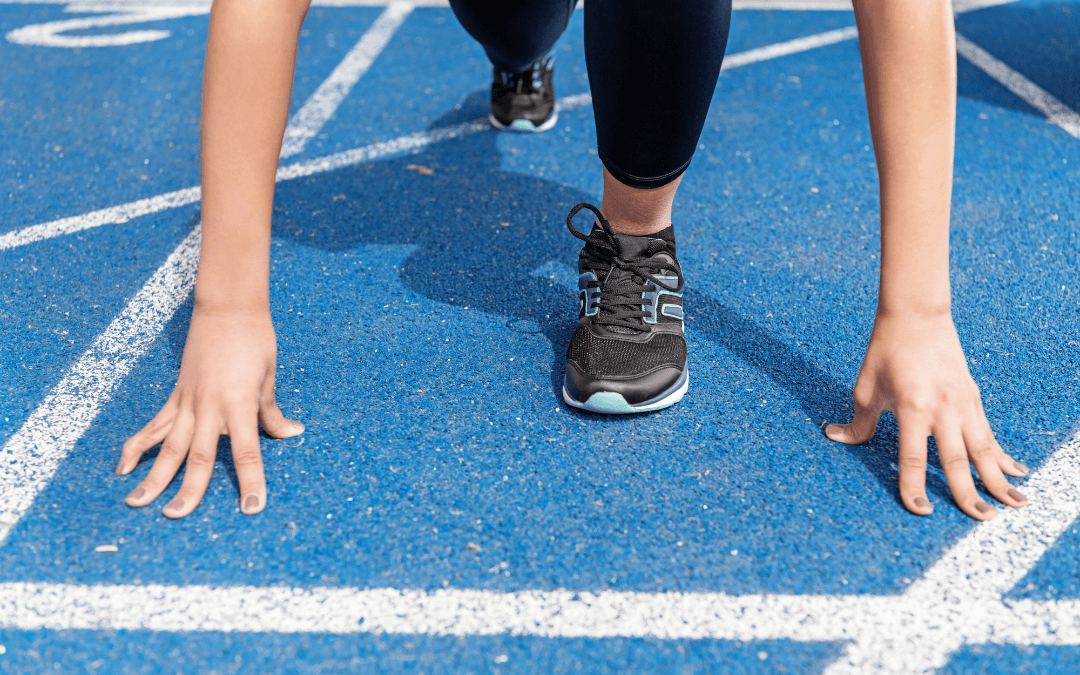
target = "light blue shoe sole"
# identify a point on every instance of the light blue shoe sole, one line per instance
(610, 403)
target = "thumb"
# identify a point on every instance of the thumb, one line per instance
(273, 422)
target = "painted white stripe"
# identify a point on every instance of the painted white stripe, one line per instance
(961, 6)
(1038, 98)
(958, 601)
(50, 34)
(790, 47)
(30, 457)
(113, 214)
(307, 121)
(465, 612)
(444, 612)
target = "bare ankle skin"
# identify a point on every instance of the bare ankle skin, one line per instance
(636, 211)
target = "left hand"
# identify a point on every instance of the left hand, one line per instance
(915, 367)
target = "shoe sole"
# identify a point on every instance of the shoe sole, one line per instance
(610, 403)
(525, 126)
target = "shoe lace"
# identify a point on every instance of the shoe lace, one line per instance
(620, 301)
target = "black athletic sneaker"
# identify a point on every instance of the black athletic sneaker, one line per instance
(628, 353)
(525, 101)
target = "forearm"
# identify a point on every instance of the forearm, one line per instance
(909, 68)
(247, 85)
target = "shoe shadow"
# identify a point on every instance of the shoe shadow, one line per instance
(481, 232)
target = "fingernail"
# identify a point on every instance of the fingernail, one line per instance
(137, 493)
(176, 504)
(297, 426)
(983, 507)
(120, 467)
(922, 502)
(1021, 467)
(1015, 494)
(251, 502)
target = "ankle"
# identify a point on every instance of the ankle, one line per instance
(636, 211)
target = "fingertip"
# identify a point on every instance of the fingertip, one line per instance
(252, 504)
(980, 510)
(1020, 501)
(287, 429)
(919, 505)
(176, 508)
(138, 497)
(837, 432)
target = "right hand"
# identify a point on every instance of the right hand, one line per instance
(225, 386)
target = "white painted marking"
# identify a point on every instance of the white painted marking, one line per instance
(465, 612)
(49, 34)
(961, 6)
(1038, 98)
(307, 121)
(959, 600)
(113, 214)
(790, 47)
(30, 457)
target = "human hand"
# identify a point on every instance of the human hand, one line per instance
(915, 367)
(225, 386)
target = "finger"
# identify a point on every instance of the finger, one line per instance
(273, 422)
(954, 462)
(173, 451)
(153, 433)
(859, 430)
(1009, 465)
(984, 453)
(912, 464)
(247, 458)
(199, 469)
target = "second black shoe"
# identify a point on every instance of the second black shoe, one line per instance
(525, 101)
(628, 353)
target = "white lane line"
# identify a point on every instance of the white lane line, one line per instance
(30, 457)
(1038, 98)
(465, 612)
(50, 34)
(339, 160)
(790, 47)
(109, 216)
(318, 109)
(443, 612)
(959, 599)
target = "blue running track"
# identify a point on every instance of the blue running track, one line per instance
(445, 511)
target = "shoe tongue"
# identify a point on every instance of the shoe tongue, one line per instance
(639, 246)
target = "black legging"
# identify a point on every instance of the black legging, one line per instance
(652, 67)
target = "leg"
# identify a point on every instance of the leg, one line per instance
(516, 33)
(652, 68)
(518, 37)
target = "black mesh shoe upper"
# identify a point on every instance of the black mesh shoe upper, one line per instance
(630, 311)
(524, 96)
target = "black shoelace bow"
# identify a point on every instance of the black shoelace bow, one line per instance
(620, 301)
